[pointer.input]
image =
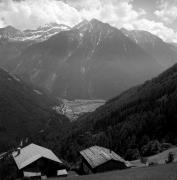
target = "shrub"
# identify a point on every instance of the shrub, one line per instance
(153, 163)
(153, 147)
(170, 157)
(132, 154)
(143, 160)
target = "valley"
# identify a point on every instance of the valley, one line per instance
(70, 88)
(76, 108)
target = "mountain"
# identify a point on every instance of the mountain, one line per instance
(9, 50)
(135, 123)
(163, 52)
(13, 41)
(40, 34)
(9, 32)
(25, 111)
(93, 60)
(44, 32)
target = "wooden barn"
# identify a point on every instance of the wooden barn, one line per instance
(37, 161)
(99, 159)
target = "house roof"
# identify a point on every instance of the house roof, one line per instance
(96, 156)
(31, 153)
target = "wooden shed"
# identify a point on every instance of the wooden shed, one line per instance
(34, 160)
(99, 159)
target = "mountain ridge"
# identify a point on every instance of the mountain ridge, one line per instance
(42, 33)
(160, 50)
(78, 63)
(80, 58)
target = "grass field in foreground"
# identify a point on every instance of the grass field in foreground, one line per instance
(160, 172)
(159, 158)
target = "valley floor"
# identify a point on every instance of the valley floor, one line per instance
(73, 109)
(160, 172)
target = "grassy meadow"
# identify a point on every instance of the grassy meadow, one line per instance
(159, 172)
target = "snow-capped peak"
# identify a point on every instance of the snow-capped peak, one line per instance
(54, 25)
(40, 34)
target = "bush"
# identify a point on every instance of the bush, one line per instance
(170, 157)
(153, 164)
(153, 147)
(166, 146)
(132, 154)
(143, 160)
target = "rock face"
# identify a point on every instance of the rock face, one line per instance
(93, 60)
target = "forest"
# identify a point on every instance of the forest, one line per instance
(136, 123)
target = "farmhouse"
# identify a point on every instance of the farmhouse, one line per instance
(98, 159)
(34, 160)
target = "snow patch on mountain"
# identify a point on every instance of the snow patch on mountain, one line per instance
(40, 34)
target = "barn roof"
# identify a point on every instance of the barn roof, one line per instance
(31, 153)
(96, 156)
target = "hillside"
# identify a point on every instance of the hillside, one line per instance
(160, 158)
(24, 111)
(134, 123)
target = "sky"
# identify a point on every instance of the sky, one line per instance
(156, 16)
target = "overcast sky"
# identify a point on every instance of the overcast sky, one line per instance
(156, 16)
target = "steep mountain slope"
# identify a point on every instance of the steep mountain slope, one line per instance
(132, 123)
(91, 61)
(24, 111)
(9, 50)
(163, 52)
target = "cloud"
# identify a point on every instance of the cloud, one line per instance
(33, 13)
(156, 28)
(167, 11)
(30, 14)
(113, 12)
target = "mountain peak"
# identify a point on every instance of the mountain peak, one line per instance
(9, 32)
(93, 25)
(96, 21)
(9, 29)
